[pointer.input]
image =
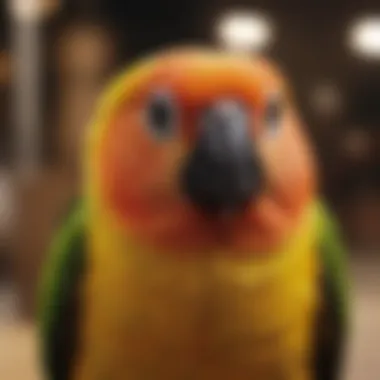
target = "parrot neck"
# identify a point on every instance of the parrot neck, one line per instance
(108, 232)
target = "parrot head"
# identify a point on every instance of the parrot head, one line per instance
(198, 151)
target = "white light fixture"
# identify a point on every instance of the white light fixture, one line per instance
(25, 10)
(244, 31)
(26, 82)
(32, 10)
(364, 37)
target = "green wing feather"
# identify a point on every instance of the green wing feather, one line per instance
(333, 318)
(59, 296)
(335, 262)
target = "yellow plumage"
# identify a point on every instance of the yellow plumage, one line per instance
(200, 318)
(148, 315)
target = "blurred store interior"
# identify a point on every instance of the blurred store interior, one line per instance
(56, 56)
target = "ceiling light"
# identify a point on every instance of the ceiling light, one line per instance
(33, 10)
(364, 37)
(244, 31)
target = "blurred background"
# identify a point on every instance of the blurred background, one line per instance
(55, 57)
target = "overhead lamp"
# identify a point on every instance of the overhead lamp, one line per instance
(364, 37)
(32, 10)
(244, 31)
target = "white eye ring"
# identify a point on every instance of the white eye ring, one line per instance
(161, 114)
(273, 114)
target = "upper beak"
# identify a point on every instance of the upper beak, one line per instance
(223, 172)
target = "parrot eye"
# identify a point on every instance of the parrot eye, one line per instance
(161, 114)
(273, 114)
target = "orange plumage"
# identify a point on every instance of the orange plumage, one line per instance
(140, 174)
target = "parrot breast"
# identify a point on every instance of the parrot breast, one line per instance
(150, 316)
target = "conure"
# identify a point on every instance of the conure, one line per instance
(200, 249)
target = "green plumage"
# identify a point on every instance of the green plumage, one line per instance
(333, 318)
(66, 265)
(59, 296)
(333, 256)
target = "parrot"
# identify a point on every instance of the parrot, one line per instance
(200, 247)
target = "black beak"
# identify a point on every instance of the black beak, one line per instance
(223, 173)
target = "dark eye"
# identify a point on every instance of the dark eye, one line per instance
(161, 114)
(273, 114)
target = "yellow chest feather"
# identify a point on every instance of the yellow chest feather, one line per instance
(150, 317)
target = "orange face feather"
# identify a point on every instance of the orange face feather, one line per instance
(140, 173)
